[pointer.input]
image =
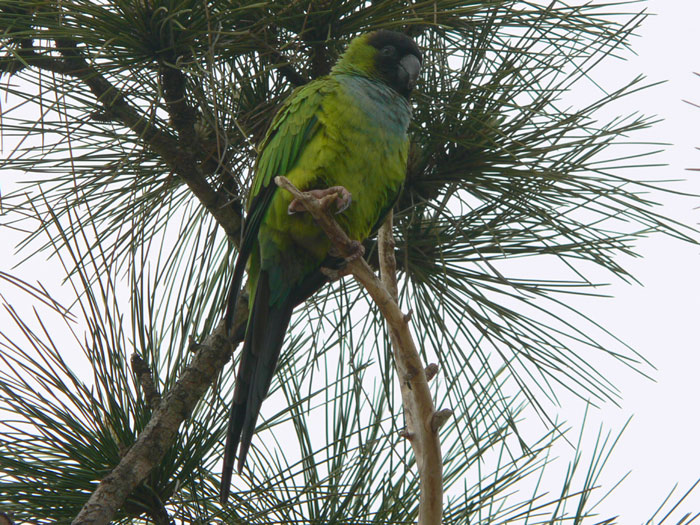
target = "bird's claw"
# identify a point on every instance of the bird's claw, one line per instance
(343, 199)
(338, 194)
(355, 251)
(335, 274)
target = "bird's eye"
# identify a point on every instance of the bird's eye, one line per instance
(388, 51)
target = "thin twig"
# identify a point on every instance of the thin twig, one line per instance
(144, 375)
(387, 261)
(422, 421)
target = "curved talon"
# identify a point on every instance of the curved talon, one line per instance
(343, 199)
(341, 196)
(333, 274)
(357, 251)
(295, 207)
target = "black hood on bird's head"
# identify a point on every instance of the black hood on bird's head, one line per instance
(391, 57)
(398, 59)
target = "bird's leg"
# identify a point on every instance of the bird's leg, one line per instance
(356, 251)
(339, 194)
(335, 274)
(342, 198)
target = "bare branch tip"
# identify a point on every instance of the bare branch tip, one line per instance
(431, 371)
(284, 182)
(144, 376)
(406, 434)
(439, 418)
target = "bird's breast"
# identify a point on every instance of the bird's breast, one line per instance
(366, 126)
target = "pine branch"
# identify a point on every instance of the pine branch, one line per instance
(182, 115)
(161, 431)
(422, 420)
(181, 160)
(145, 379)
(183, 118)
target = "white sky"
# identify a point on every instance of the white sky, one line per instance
(661, 319)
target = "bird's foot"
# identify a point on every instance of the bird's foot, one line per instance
(338, 194)
(355, 251)
(335, 274)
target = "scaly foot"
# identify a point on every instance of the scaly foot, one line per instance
(356, 251)
(335, 274)
(342, 198)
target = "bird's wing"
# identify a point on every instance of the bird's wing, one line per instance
(295, 124)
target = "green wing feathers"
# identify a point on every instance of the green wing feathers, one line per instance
(294, 125)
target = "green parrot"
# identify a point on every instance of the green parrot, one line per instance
(345, 133)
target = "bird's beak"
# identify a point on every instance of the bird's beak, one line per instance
(409, 68)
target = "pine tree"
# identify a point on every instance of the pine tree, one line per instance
(131, 130)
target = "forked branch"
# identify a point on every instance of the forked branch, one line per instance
(422, 421)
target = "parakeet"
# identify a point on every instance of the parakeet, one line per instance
(345, 133)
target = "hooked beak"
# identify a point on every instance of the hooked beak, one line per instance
(409, 68)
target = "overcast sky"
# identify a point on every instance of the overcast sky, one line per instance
(660, 319)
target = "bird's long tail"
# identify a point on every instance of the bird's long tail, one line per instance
(263, 342)
(234, 292)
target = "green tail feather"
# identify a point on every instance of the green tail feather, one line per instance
(264, 337)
